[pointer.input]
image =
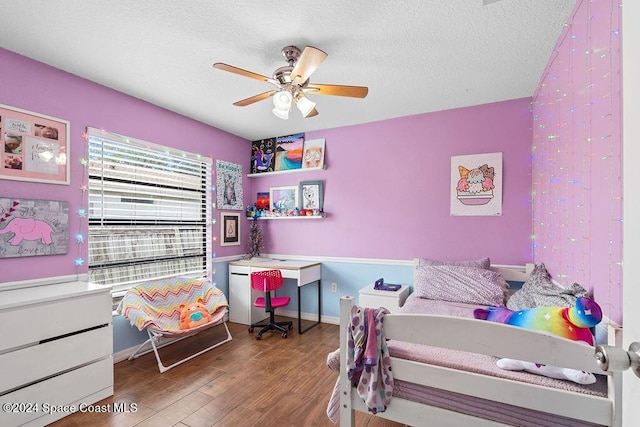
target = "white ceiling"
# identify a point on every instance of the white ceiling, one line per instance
(415, 56)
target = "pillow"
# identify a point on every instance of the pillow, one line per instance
(470, 285)
(480, 263)
(580, 377)
(540, 291)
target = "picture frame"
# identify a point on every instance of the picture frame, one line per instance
(311, 195)
(229, 193)
(34, 147)
(313, 154)
(229, 229)
(282, 200)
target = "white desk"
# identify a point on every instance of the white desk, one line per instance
(241, 296)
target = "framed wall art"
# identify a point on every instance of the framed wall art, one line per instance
(229, 185)
(31, 227)
(476, 185)
(229, 229)
(311, 195)
(35, 147)
(282, 200)
(313, 154)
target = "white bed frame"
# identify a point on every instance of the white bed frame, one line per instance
(486, 338)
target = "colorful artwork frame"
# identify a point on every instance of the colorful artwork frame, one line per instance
(283, 200)
(476, 185)
(229, 229)
(229, 186)
(35, 147)
(30, 227)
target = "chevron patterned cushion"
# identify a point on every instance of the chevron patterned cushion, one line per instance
(156, 304)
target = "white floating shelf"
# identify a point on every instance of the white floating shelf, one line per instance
(289, 217)
(254, 175)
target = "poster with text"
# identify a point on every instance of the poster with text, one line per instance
(229, 185)
(33, 227)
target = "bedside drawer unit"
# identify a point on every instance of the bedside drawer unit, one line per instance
(391, 300)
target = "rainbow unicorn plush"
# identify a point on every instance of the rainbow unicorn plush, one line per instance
(567, 322)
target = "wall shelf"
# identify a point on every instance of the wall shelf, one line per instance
(254, 175)
(289, 217)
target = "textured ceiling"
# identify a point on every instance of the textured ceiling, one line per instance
(415, 56)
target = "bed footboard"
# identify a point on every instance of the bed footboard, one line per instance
(476, 336)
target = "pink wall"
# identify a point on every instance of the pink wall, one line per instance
(577, 162)
(33, 86)
(387, 189)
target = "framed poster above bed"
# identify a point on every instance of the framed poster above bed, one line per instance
(476, 185)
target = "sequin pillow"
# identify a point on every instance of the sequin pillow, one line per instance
(470, 285)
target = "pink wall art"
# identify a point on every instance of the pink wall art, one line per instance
(476, 184)
(33, 227)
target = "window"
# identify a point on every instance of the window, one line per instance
(149, 212)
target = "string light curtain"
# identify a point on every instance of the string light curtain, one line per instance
(149, 211)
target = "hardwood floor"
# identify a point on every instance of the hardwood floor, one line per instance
(245, 382)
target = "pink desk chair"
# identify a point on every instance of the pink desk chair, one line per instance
(265, 282)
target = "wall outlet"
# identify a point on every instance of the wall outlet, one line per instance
(334, 287)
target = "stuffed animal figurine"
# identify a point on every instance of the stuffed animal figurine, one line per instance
(567, 322)
(194, 314)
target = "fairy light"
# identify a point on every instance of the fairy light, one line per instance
(576, 156)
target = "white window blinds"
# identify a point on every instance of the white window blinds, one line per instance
(149, 211)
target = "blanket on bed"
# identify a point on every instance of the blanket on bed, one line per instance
(156, 305)
(368, 362)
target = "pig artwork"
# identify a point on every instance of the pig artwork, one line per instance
(28, 229)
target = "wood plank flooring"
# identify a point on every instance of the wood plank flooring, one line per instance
(245, 382)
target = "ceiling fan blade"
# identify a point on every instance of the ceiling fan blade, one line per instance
(245, 73)
(308, 62)
(313, 113)
(337, 90)
(255, 98)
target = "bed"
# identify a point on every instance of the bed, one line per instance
(445, 373)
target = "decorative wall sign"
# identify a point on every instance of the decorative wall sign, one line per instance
(33, 227)
(476, 184)
(229, 229)
(34, 147)
(229, 185)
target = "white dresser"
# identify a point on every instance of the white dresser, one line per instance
(56, 345)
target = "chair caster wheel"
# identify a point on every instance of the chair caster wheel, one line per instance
(258, 337)
(250, 329)
(284, 335)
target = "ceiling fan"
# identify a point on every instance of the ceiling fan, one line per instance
(292, 83)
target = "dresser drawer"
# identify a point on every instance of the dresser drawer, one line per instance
(30, 324)
(31, 363)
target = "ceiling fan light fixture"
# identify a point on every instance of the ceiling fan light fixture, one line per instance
(282, 100)
(281, 113)
(305, 105)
